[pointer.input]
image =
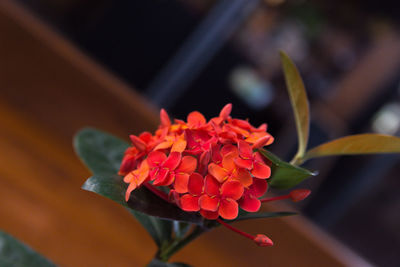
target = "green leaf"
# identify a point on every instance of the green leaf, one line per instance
(181, 229)
(13, 253)
(158, 263)
(102, 153)
(284, 175)
(355, 145)
(159, 229)
(298, 99)
(262, 215)
(141, 199)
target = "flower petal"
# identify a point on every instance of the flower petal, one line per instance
(164, 118)
(210, 215)
(205, 158)
(139, 175)
(218, 172)
(189, 203)
(244, 163)
(181, 182)
(261, 128)
(131, 187)
(161, 177)
(226, 149)
(238, 130)
(228, 209)
(195, 184)
(191, 142)
(232, 189)
(215, 154)
(255, 136)
(155, 158)
(245, 150)
(228, 161)
(146, 137)
(195, 119)
(188, 165)
(244, 177)
(173, 160)
(138, 143)
(250, 203)
(209, 203)
(164, 145)
(259, 187)
(226, 111)
(129, 177)
(263, 141)
(211, 186)
(179, 145)
(261, 170)
(242, 124)
(228, 135)
(127, 165)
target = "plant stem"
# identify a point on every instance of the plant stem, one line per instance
(176, 245)
(274, 198)
(297, 161)
(157, 192)
(230, 227)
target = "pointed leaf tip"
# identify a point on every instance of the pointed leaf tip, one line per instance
(283, 174)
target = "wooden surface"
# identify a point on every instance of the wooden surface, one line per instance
(48, 90)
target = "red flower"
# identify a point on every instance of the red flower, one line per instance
(252, 161)
(210, 167)
(180, 176)
(250, 201)
(162, 167)
(136, 178)
(190, 201)
(196, 120)
(220, 200)
(228, 170)
(129, 162)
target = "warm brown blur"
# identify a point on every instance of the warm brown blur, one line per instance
(48, 91)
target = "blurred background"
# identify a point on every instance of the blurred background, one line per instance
(187, 55)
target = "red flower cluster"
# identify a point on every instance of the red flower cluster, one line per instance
(210, 167)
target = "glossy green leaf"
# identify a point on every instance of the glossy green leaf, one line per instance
(299, 101)
(13, 253)
(102, 154)
(262, 215)
(141, 199)
(158, 263)
(285, 175)
(159, 229)
(355, 145)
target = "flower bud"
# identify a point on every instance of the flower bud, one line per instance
(263, 240)
(299, 194)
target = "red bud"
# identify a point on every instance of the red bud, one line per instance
(299, 194)
(263, 240)
(138, 143)
(226, 111)
(164, 118)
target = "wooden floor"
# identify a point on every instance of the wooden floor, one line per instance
(49, 90)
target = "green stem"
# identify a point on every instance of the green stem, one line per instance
(176, 245)
(297, 160)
